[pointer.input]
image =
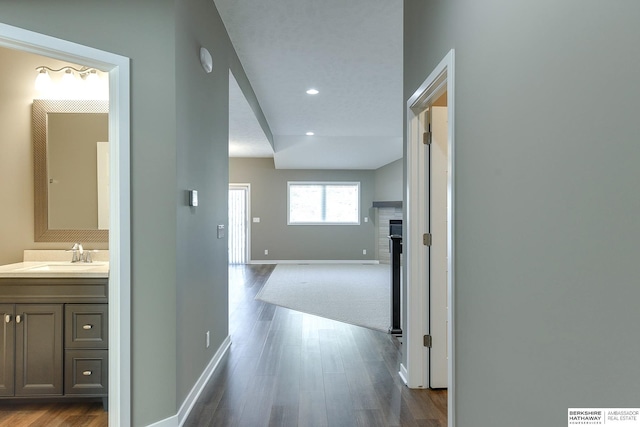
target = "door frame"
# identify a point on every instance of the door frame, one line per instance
(415, 374)
(119, 181)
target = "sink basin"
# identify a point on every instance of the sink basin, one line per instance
(50, 268)
(57, 267)
(64, 266)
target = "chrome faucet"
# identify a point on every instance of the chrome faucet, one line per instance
(79, 254)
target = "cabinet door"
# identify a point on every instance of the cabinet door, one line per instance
(39, 349)
(7, 341)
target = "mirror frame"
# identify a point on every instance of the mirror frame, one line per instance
(41, 107)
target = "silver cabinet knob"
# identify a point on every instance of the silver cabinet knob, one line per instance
(7, 318)
(86, 373)
(18, 318)
(87, 327)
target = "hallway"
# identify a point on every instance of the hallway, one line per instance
(287, 368)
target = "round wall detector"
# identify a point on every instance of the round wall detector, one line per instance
(206, 60)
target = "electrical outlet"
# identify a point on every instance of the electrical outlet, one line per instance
(266, 251)
(366, 219)
(208, 341)
(364, 252)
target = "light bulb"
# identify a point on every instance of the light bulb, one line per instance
(43, 80)
(92, 78)
(68, 77)
(68, 84)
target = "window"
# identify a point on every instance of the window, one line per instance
(324, 203)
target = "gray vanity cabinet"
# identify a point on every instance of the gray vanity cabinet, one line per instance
(53, 338)
(32, 353)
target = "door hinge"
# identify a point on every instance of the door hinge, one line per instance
(426, 239)
(427, 341)
(426, 138)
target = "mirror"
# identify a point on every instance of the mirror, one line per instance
(71, 181)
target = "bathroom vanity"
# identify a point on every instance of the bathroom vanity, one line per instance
(54, 334)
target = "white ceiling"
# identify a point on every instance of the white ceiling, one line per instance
(351, 51)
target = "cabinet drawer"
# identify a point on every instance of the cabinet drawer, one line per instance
(86, 372)
(86, 326)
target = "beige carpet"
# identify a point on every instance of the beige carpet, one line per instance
(358, 294)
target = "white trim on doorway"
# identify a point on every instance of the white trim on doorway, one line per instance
(119, 224)
(415, 373)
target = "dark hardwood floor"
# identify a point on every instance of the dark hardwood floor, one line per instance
(287, 368)
(65, 414)
(284, 368)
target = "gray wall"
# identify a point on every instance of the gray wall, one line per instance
(178, 140)
(388, 182)
(302, 242)
(547, 220)
(202, 142)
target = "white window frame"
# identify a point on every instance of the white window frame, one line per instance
(326, 183)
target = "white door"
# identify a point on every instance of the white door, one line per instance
(238, 223)
(438, 273)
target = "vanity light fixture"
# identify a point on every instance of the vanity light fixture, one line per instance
(313, 91)
(43, 79)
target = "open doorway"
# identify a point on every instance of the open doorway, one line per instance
(436, 116)
(117, 68)
(239, 223)
(429, 234)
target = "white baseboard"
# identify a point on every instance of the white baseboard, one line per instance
(179, 419)
(403, 374)
(167, 422)
(315, 261)
(188, 403)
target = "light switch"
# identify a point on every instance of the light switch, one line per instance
(193, 198)
(256, 219)
(220, 231)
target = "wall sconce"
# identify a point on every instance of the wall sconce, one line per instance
(43, 79)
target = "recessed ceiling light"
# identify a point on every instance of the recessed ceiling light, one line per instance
(310, 134)
(313, 92)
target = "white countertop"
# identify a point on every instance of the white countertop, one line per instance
(61, 269)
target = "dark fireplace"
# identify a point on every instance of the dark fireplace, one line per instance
(395, 247)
